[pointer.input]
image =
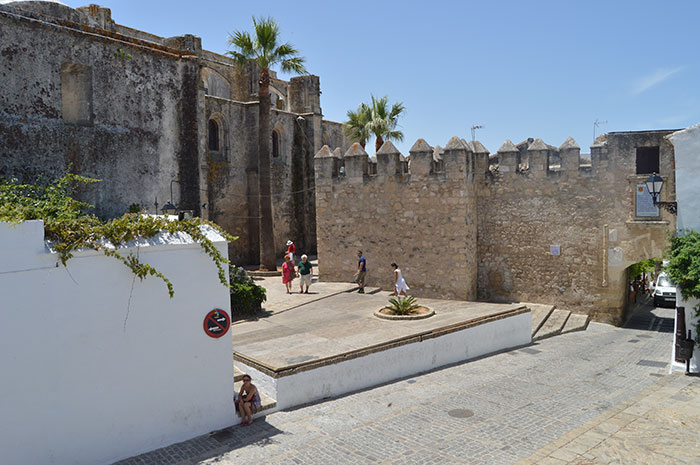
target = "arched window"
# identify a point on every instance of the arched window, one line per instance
(275, 144)
(213, 136)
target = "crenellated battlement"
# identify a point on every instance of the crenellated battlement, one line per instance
(460, 159)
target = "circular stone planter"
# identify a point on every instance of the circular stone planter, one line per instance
(419, 314)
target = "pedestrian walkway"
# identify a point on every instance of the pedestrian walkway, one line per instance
(533, 405)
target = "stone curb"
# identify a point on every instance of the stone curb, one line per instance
(430, 313)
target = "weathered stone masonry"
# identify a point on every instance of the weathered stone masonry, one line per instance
(461, 224)
(147, 114)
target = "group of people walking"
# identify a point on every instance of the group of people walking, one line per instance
(400, 286)
(303, 270)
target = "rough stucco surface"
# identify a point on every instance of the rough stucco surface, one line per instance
(589, 212)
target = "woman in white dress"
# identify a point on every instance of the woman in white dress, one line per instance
(400, 286)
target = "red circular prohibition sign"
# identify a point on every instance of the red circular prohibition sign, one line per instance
(216, 323)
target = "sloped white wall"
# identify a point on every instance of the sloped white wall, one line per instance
(93, 371)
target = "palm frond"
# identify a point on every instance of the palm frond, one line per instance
(266, 33)
(285, 50)
(243, 42)
(240, 59)
(263, 48)
(295, 64)
(394, 135)
(356, 127)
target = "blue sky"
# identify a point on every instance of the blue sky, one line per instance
(521, 69)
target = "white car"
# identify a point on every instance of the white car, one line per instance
(664, 291)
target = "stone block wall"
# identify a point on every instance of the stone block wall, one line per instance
(524, 228)
(102, 105)
(424, 220)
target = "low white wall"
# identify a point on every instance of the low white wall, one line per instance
(403, 361)
(93, 372)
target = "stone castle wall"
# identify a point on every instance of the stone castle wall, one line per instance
(134, 110)
(425, 222)
(529, 224)
(70, 99)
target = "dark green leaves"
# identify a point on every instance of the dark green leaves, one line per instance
(70, 227)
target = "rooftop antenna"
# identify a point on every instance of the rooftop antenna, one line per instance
(474, 128)
(596, 124)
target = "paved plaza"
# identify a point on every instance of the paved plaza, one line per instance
(593, 397)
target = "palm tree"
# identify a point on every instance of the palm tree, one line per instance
(356, 127)
(265, 51)
(383, 121)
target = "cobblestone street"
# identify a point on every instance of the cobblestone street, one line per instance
(558, 397)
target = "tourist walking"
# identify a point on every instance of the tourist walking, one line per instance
(291, 250)
(288, 273)
(304, 272)
(400, 286)
(361, 272)
(248, 401)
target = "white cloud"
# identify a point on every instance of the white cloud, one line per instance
(645, 83)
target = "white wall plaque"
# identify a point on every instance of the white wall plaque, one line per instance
(644, 204)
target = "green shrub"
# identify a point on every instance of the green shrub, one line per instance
(68, 225)
(246, 296)
(399, 306)
(684, 268)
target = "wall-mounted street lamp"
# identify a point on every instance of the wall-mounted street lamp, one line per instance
(169, 208)
(654, 184)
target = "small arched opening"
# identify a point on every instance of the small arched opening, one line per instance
(275, 144)
(214, 139)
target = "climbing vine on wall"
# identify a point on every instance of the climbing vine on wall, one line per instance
(684, 268)
(69, 227)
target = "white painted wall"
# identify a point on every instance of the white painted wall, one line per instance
(398, 362)
(686, 146)
(88, 379)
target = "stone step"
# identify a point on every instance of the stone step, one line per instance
(266, 402)
(552, 325)
(576, 322)
(237, 374)
(263, 274)
(540, 313)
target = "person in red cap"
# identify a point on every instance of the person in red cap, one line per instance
(291, 250)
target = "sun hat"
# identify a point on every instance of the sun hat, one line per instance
(290, 242)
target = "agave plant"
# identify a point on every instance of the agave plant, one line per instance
(399, 306)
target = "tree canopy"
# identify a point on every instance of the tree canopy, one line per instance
(264, 49)
(377, 119)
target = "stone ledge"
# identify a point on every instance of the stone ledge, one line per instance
(289, 370)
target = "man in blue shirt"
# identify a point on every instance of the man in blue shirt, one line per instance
(361, 272)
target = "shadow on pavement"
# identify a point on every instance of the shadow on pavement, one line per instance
(645, 317)
(260, 433)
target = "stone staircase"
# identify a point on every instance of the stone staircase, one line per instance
(548, 321)
(266, 401)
